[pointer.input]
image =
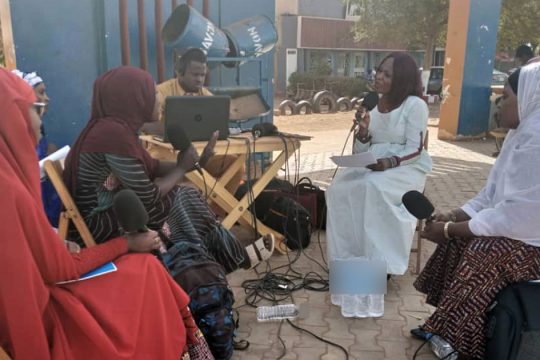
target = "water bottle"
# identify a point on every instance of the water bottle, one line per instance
(442, 349)
(376, 305)
(277, 312)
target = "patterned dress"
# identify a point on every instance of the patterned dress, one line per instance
(182, 213)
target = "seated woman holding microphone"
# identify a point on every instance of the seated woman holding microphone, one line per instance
(365, 215)
(135, 312)
(493, 240)
(108, 157)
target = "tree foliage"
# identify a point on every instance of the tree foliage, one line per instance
(519, 24)
(417, 24)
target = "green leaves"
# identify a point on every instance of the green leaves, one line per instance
(417, 24)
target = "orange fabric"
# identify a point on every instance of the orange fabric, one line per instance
(130, 314)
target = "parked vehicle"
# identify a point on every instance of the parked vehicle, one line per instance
(436, 77)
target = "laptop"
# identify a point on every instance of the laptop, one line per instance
(198, 116)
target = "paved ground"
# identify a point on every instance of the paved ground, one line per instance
(460, 169)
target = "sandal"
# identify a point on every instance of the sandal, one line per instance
(421, 334)
(258, 252)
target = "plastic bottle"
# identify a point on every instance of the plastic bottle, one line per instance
(277, 312)
(376, 305)
(442, 349)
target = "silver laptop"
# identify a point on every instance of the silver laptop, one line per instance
(199, 116)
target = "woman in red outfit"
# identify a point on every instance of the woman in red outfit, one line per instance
(137, 312)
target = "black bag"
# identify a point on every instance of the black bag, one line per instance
(292, 220)
(277, 207)
(211, 302)
(513, 323)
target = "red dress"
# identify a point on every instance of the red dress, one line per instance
(133, 313)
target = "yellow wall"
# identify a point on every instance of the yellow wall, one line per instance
(456, 45)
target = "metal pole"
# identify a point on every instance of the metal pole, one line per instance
(158, 6)
(143, 48)
(124, 32)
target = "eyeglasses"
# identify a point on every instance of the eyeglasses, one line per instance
(40, 107)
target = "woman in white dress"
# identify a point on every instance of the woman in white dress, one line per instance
(366, 217)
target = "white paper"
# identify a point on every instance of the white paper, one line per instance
(57, 155)
(356, 160)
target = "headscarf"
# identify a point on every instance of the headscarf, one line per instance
(509, 204)
(23, 294)
(123, 100)
(31, 79)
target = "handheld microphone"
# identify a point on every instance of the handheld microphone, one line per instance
(179, 140)
(418, 205)
(130, 213)
(369, 102)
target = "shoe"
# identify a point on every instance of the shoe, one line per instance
(421, 334)
(258, 251)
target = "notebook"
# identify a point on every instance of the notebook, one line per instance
(199, 116)
(102, 270)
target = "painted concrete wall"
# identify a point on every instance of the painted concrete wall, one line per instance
(322, 8)
(71, 42)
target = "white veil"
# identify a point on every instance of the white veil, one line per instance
(509, 204)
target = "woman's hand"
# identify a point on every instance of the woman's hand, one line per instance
(208, 151)
(434, 231)
(381, 165)
(143, 241)
(362, 118)
(443, 216)
(186, 159)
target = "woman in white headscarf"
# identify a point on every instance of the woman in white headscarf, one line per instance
(494, 239)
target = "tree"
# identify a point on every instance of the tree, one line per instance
(418, 24)
(519, 24)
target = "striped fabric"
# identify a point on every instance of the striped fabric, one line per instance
(462, 278)
(183, 213)
(96, 189)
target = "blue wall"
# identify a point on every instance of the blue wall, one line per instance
(479, 55)
(70, 42)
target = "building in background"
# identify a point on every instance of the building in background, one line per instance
(315, 32)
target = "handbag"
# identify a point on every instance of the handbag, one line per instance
(317, 202)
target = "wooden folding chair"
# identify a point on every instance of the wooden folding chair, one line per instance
(54, 170)
(420, 226)
(4, 355)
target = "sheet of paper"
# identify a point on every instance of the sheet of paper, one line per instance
(102, 270)
(57, 155)
(355, 160)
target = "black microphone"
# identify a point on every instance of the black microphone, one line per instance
(264, 129)
(179, 140)
(418, 205)
(130, 213)
(369, 102)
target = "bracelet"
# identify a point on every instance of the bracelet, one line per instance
(394, 161)
(445, 230)
(364, 139)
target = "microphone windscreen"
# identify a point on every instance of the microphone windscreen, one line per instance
(130, 211)
(264, 129)
(370, 101)
(417, 204)
(177, 136)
